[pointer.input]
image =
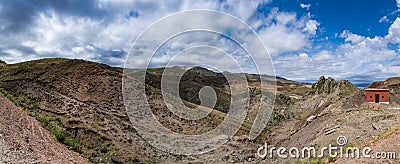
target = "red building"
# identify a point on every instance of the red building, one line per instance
(373, 95)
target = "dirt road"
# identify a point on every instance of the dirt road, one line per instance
(24, 140)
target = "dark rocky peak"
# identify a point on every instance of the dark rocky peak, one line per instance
(328, 86)
(324, 85)
(2, 62)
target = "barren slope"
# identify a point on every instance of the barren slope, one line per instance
(83, 101)
(24, 140)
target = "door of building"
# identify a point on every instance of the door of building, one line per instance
(376, 98)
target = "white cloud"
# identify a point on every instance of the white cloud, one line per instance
(398, 3)
(284, 32)
(305, 6)
(394, 32)
(78, 50)
(383, 19)
(303, 55)
(359, 58)
(311, 27)
(288, 37)
(242, 9)
(323, 56)
(55, 33)
(279, 39)
(353, 38)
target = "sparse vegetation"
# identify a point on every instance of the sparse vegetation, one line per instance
(105, 148)
(58, 134)
(8, 95)
(74, 143)
(310, 161)
(80, 103)
(384, 135)
(349, 149)
(332, 159)
(44, 119)
(154, 69)
(134, 158)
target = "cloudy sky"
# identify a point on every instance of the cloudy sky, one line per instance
(306, 39)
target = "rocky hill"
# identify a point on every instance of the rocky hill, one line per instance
(342, 88)
(334, 109)
(80, 103)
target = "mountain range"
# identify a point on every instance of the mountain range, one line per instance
(80, 104)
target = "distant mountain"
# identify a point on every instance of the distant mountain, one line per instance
(362, 84)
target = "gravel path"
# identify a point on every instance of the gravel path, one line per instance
(24, 140)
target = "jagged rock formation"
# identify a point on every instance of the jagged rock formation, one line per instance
(324, 85)
(342, 88)
(324, 95)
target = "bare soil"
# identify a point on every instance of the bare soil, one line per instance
(24, 140)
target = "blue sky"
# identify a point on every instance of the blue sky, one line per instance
(354, 40)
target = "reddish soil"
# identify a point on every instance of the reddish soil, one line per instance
(24, 140)
(389, 144)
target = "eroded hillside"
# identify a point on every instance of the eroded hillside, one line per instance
(24, 140)
(334, 109)
(81, 104)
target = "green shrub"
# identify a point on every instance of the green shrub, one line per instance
(58, 134)
(8, 95)
(74, 143)
(332, 159)
(44, 119)
(309, 161)
(104, 149)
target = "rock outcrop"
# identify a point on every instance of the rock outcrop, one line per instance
(342, 88)
(345, 88)
(324, 86)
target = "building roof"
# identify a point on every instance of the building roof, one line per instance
(375, 89)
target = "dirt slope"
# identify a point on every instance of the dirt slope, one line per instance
(389, 144)
(24, 140)
(343, 110)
